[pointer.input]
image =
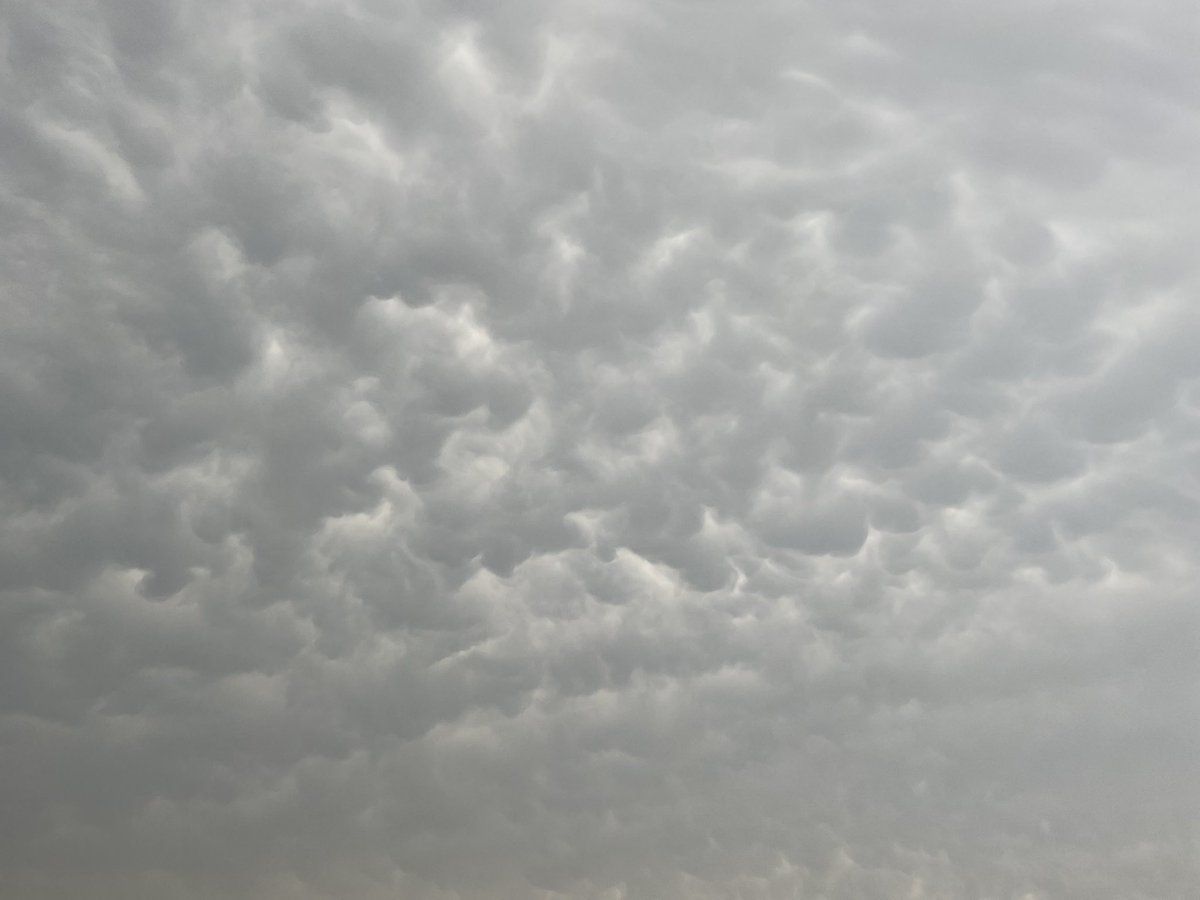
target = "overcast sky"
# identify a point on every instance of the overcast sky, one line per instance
(599, 450)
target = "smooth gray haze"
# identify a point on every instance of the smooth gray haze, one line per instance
(599, 450)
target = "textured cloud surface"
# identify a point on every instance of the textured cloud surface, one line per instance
(599, 450)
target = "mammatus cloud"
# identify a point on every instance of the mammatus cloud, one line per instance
(599, 450)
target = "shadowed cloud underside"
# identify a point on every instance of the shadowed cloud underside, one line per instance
(599, 450)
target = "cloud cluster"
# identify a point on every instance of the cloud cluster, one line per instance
(603, 451)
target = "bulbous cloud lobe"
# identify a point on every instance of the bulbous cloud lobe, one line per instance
(598, 450)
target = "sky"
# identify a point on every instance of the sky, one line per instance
(599, 450)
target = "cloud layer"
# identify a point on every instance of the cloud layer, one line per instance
(605, 451)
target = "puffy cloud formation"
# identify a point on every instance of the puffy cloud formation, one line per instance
(599, 450)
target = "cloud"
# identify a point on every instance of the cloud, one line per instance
(597, 450)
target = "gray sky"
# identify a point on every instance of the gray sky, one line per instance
(599, 450)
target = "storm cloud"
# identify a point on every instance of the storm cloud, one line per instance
(599, 450)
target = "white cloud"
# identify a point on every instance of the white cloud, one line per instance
(598, 450)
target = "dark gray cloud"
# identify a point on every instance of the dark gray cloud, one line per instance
(599, 450)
